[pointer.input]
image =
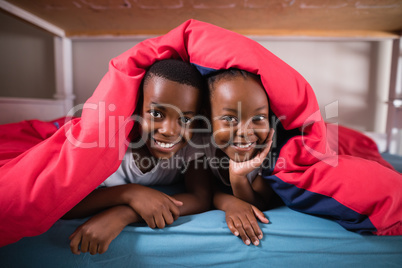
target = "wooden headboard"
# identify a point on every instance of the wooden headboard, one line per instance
(251, 17)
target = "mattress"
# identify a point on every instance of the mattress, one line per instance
(292, 239)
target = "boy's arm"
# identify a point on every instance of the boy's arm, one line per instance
(98, 200)
(198, 195)
(98, 232)
(133, 195)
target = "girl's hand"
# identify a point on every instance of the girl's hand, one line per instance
(96, 234)
(241, 169)
(241, 218)
(156, 208)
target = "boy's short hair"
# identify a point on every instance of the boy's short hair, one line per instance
(174, 70)
(177, 71)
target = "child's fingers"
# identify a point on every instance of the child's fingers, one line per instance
(104, 247)
(84, 245)
(265, 152)
(256, 230)
(159, 221)
(231, 226)
(150, 221)
(252, 232)
(93, 248)
(73, 234)
(268, 145)
(175, 210)
(271, 134)
(168, 217)
(243, 234)
(238, 224)
(74, 243)
(259, 215)
(175, 201)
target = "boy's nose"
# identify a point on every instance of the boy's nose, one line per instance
(169, 128)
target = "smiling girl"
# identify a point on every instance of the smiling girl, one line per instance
(241, 132)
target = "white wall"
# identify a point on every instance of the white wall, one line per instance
(91, 62)
(26, 60)
(354, 73)
(337, 71)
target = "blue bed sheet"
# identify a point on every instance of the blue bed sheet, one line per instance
(394, 160)
(292, 239)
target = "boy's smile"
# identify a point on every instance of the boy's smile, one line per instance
(239, 109)
(168, 110)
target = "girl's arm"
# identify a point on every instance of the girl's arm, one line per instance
(259, 192)
(241, 217)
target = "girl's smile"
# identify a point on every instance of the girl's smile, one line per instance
(239, 108)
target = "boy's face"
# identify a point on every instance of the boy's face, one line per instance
(168, 110)
(239, 109)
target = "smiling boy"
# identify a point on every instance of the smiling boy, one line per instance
(170, 100)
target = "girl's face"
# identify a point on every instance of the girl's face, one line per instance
(239, 109)
(168, 111)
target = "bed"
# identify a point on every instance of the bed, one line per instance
(292, 238)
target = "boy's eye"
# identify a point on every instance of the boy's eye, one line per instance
(229, 119)
(185, 120)
(155, 114)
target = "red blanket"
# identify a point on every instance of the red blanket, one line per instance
(43, 183)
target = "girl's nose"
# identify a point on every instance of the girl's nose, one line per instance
(244, 130)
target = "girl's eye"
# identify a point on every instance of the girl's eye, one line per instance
(185, 120)
(259, 118)
(155, 114)
(229, 119)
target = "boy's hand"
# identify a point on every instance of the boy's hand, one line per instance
(241, 218)
(156, 208)
(96, 234)
(241, 169)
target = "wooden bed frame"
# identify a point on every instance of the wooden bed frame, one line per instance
(67, 20)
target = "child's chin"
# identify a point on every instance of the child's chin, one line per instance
(241, 158)
(163, 156)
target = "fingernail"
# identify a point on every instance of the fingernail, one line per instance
(247, 242)
(236, 233)
(260, 236)
(256, 243)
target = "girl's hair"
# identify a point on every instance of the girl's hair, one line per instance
(229, 74)
(226, 74)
